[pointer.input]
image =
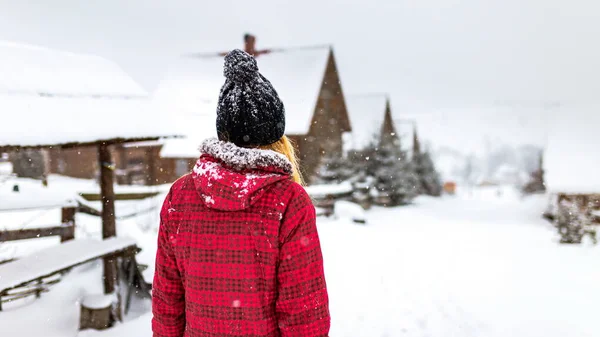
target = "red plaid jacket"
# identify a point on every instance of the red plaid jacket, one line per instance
(238, 251)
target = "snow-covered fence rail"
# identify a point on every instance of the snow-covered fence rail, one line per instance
(65, 230)
(325, 196)
(34, 269)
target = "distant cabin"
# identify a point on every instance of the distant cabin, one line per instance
(87, 97)
(305, 78)
(371, 117)
(572, 159)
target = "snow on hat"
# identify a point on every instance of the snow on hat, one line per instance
(250, 112)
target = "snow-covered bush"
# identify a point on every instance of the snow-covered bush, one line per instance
(349, 210)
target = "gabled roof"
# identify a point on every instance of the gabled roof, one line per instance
(52, 98)
(367, 114)
(572, 157)
(192, 85)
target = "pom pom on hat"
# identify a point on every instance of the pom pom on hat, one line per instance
(240, 67)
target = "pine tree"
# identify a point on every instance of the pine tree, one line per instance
(390, 172)
(429, 182)
(334, 169)
(429, 179)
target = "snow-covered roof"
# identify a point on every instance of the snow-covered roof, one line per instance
(367, 114)
(572, 158)
(50, 97)
(37, 70)
(195, 126)
(192, 85)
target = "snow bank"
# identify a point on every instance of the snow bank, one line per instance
(349, 210)
(33, 195)
(572, 158)
(141, 326)
(319, 191)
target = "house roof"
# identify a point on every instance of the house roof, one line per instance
(35, 70)
(192, 85)
(367, 114)
(571, 158)
(56, 98)
(190, 91)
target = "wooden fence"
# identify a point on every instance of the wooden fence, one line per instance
(66, 230)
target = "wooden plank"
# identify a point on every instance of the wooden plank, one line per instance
(120, 196)
(24, 234)
(129, 250)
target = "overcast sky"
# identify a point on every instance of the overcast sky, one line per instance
(464, 64)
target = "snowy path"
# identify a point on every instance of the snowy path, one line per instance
(459, 268)
(486, 267)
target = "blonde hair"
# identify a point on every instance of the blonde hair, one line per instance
(285, 146)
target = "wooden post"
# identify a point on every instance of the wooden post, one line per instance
(38, 288)
(68, 220)
(151, 166)
(124, 179)
(109, 228)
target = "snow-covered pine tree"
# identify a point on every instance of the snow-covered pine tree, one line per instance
(429, 179)
(429, 182)
(392, 175)
(334, 169)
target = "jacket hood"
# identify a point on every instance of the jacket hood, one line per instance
(231, 178)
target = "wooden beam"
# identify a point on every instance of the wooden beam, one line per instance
(120, 196)
(109, 228)
(67, 145)
(68, 217)
(127, 251)
(24, 234)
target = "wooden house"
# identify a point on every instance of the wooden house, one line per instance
(572, 160)
(371, 117)
(97, 92)
(59, 100)
(306, 79)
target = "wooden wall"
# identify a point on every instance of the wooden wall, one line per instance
(134, 165)
(81, 162)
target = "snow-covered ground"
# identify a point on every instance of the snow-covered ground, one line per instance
(482, 263)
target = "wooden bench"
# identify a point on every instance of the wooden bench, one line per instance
(33, 271)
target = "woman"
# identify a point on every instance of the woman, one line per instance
(238, 250)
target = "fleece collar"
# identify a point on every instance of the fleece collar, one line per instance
(242, 159)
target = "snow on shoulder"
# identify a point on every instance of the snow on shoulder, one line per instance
(190, 91)
(63, 98)
(571, 159)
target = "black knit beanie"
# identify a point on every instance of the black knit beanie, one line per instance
(250, 112)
